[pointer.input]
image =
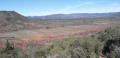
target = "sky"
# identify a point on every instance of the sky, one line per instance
(47, 7)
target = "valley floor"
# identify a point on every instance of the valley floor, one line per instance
(41, 34)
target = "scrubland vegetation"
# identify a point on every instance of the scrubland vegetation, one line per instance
(104, 44)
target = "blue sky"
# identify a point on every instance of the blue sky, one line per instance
(46, 7)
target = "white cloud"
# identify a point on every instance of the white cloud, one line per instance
(85, 3)
(64, 10)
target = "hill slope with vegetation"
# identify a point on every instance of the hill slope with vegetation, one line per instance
(12, 21)
(103, 44)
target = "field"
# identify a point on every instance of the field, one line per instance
(40, 36)
(69, 30)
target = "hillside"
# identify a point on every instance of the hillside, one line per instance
(12, 21)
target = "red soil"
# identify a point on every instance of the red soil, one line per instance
(38, 36)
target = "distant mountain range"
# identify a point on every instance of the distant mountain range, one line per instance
(76, 15)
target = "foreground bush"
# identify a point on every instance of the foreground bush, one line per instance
(111, 39)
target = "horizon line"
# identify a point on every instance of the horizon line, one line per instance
(64, 13)
(75, 13)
